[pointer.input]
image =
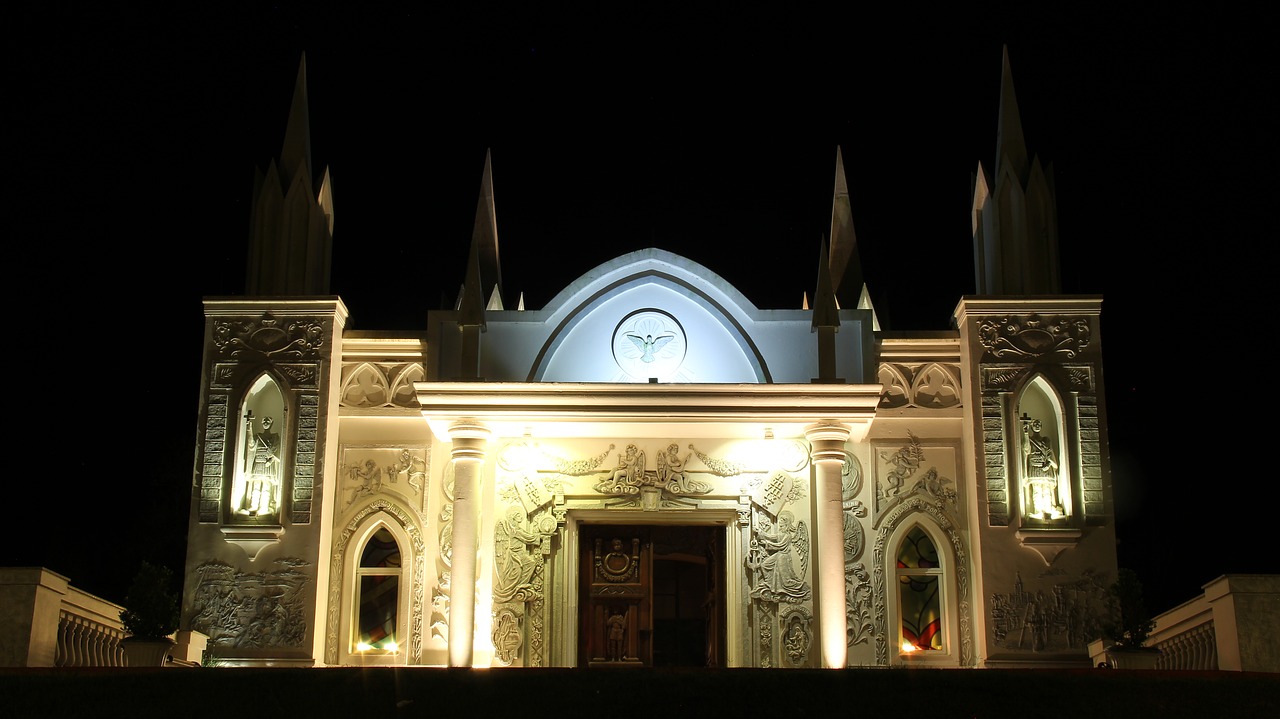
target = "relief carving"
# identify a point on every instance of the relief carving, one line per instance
(857, 583)
(1066, 617)
(522, 546)
(930, 385)
(367, 471)
(906, 461)
(797, 635)
(777, 560)
(444, 560)
(1034, 336)
(269, 338)
(631, 476)
(380, 384)
(252, 610)
(506, 636)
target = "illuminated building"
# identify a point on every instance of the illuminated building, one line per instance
(650, 470)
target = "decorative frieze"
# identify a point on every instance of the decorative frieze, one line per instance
(927, 385)
(270, 338)
(380, 384)
(1034, 336)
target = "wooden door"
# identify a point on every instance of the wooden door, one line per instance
(651, 596)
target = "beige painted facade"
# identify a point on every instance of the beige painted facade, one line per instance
(650, 470)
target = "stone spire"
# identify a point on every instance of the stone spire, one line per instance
(484, 240)
(291, 224)
(1014, 218)
(845, 264)
(483, 277)
(826, 318)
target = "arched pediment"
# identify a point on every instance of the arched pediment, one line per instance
(654, 317)
(650, 315)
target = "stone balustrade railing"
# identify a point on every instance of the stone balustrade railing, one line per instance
(46, 622)
(89, 632)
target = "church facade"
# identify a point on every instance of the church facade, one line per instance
(650, 470)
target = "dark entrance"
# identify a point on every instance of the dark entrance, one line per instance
(652, 596)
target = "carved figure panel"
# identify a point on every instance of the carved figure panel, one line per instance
(904, 469)
(1058, 613)
(367, 471)
(252, 610)
(631, 474)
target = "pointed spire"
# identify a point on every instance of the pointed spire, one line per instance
(846, 266)
(825, 311)
(484, 236)
(826, 319)
(864, 303)
(471, 306)
(291, 224)
(1010, 143)
(1014, 215)
(295, 154)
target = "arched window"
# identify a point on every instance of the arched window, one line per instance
(920, 594)
(377, 600)
(1044, 475)
(254, 496)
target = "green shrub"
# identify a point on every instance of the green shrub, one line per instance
(151, 606)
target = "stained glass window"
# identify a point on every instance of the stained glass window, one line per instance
(378, 598)
(919, 598)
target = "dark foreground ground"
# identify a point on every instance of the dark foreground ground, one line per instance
(615, 694)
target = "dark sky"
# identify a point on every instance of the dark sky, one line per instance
(710, 131)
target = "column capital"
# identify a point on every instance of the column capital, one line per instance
(470, 438)
(828, 440)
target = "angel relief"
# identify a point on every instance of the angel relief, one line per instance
(631, 475)
(779, 559)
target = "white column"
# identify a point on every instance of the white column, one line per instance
(828, 442)
(469, 440)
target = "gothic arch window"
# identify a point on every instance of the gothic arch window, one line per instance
(920, 577)
(922, 595)
(381, 568)
(376, 625)
(257, 474)
(1044, 474)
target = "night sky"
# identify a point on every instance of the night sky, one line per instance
(707, 130)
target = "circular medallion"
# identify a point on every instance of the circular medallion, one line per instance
(649, 344)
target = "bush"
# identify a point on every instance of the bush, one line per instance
(1132, 624)
(151, 607)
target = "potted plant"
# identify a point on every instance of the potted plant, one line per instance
(1131, 625)
(150, 617)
